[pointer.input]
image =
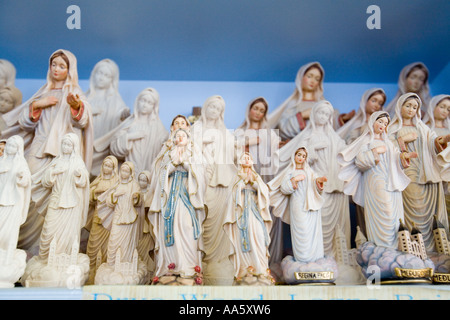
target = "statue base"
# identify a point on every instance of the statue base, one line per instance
(323, 271)
(111, 275)
(41, 273)
(11, 268)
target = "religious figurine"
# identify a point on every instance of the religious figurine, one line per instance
(8, 79)
(437, 118)
(15, 193)
(141, 136)
(68, 181)
(57, 108)
(324, 144)
(295, 194)
(98, 235)
(371, 168)
(371, 101)
(219, 152)
(424, 197)
(146, 242)
(9, 99)
(413, 78)
(108, 108)
(118, 212)
(292, 115)
(177, 213)
(247, 224)
(262, 143)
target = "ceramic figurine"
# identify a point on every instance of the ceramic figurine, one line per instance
(258, 138)
(15, 193)
(247, 224)
(118, 212)
(220, 151)
(323, 145)
(413, 78)
(424, 197)
(108, 108)
(146, 239)
(292, 115)
(9, 99)
(371, 101)
(262, 143)
(141, 136)
(437, 118)
(57, 108)
(98, 235)
(8, 79)
(373, 175)
(295, 194)
(68, 181)
(177, 213)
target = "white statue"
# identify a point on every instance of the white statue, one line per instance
(371, 101)
(9, 99)
(108, 107)
(219, 152)
(57, 108)
(248, 223)
(323, 145)
(413, 78)
(119, 213)
(292, 115)
(373, 175)
(295, 194)
(68, 181)
(15, 193)
(176, 212)
(8, 79)
(141, 136)
(98, 235)
(424, 197)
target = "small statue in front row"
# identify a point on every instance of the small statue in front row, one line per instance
(15, 193)
(295, 194)
(119, 213)
(59, 262)
(176, 214)
(247, 224)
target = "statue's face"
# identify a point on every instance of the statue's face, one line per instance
(125, 172)
(409, 109)
(322, 116)
(146, 104)
(213, 111)
(179, 123)
(103, 77)
(181, 138)
(246, 161)
(311, 79)
(59, 69)
(374, 104)
(415, 81)
(66, 146)
(107, 167)
(143, 181)
(11, 148)
(6, 101)
(442, 110)
(257, 112)
(300, 157)
(380, 125)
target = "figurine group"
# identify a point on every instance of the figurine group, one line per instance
(96, 195)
